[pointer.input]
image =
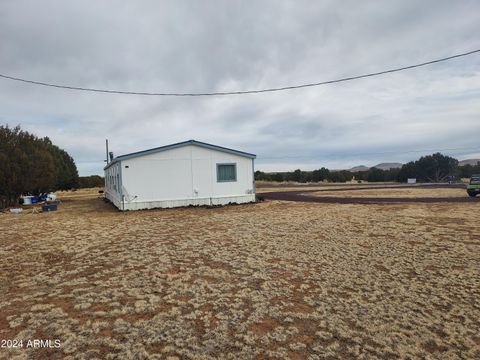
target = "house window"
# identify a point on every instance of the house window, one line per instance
(226, 172)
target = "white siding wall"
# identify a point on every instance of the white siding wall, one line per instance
(113, 184)
(184, 176)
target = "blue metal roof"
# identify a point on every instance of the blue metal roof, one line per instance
(177, 145)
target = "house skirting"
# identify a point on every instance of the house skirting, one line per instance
(210, 201)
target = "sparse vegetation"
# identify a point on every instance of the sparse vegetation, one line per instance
(273, 279)
(395, 193)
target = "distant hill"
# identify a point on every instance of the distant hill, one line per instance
(387, 166)
(396, 165)
(468, 162)
(382, 166)
(359, 168)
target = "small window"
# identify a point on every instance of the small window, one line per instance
(226, 172)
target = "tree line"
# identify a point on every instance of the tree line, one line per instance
(92, 181)
(32, 165)
(468, 170)
(431, 168)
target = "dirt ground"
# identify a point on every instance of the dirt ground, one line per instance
(268, 280)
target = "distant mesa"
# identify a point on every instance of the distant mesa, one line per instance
(388, 166)
(382, 166)
(395, 165)
(359, 168)
(472, 162)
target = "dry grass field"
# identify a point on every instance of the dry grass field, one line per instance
(268, 280)
(394, 193)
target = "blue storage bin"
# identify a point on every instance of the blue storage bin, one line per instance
(49, 207)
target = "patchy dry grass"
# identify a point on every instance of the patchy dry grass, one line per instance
(270, 280)
(395, 193)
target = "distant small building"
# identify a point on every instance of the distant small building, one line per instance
(182, 174)
(354, 181)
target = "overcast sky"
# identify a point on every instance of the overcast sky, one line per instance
(206, 46)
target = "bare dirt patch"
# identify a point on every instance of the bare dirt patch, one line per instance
(268, 280)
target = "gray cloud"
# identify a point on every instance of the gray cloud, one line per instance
(181, 46)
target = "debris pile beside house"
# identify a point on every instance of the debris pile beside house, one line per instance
(37, 203)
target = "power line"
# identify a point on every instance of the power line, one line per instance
(283, 88)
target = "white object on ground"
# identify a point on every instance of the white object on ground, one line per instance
(27, 200)
(16, 210)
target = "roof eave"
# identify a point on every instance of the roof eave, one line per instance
(178, 145)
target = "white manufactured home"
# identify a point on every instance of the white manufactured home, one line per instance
(182, 174)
